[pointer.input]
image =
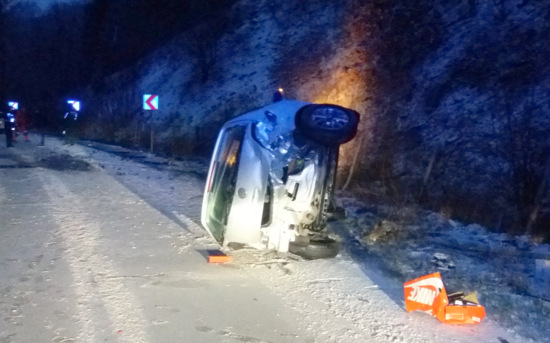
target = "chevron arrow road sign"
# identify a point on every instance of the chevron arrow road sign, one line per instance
(150, 102)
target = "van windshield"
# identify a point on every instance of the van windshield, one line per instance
(222, 180)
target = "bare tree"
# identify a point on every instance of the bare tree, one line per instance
(530, 160)
(95, 48)
(202, 43)
(203, 46)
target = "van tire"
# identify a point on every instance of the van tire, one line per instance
(315, 249)
(327, 124)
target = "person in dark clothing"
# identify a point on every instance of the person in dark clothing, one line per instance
(40, 122)
(69, 125)
(8, 125)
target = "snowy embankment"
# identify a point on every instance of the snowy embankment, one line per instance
(359, 294)
(510, 274)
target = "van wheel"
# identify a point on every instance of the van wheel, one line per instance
(315, 249)
(327, 124)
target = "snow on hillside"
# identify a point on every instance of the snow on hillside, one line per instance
(242, 69)
(364, 283)
(44, 4)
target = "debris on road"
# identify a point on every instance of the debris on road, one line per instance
(427, 293)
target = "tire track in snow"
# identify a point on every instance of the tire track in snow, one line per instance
(2, 194)
(92, 271)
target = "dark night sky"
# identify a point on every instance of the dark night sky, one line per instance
(54, 49)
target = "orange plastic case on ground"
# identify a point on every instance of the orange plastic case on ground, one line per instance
(428, 294)
(217, 256)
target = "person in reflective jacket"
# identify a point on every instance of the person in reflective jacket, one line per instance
(21, 120)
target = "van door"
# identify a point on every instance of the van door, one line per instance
(236, 185)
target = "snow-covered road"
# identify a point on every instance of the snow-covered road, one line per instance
(98, 247)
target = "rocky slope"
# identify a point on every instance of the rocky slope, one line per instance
(453, 94)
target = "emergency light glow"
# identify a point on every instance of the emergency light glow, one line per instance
(75, 104)
(14, 105)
